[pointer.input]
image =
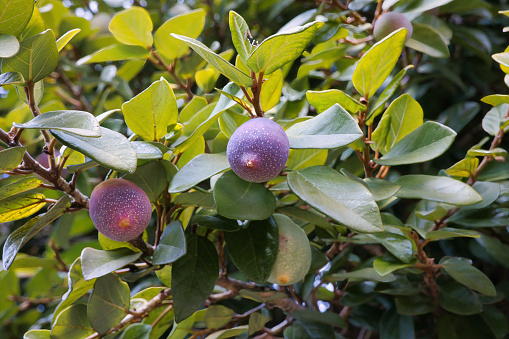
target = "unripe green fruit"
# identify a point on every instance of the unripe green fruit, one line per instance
(390, 22)
(294, 254)
(258, 150)
(119, 209)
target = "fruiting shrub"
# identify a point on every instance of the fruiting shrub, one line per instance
(119, 209)
(294, 254)
(258, 150)
(389, 22)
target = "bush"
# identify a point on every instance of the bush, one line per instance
(396, 173)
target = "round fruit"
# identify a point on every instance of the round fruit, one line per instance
(119, 209)
(258, 150)
(294, 254)
(389, 22)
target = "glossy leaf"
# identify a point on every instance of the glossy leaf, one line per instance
(20, 186)
(137, 331)
(190, 24)
(194, 276)
(333, 128)
(218, 316)
(21, 206)
(172, 245)
(223, 66)
(132, 26)
(23, 234)
(328, 318)
(428, 40)
(381, 189)
(9, 45)
(402, 117)
(150, 113)
(441, 189)
(65, 38)
(108, 303)
(229, 333)
(376, 65)
(240, 32)
(447, 232)
(361, 275)
(198, 169)
(496, 119)
(254, 249)
(496, 99)
(96, 263)
(37, 334)
(383, 267)
(111, 149)
(301, 158)
(464, 273)
(394, 325)
(236, 198)
(282, 48)
(197, 199)
(36, 59)
(463, 168)
(427, 142)
(115, 53)
(323, 100)
(75, 122)
(339, 197)
(151, 178)
(10, 158)
(14, 16)
(72, 323)
(458, 299)
(11, 78)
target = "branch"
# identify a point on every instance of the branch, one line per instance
(171, 69)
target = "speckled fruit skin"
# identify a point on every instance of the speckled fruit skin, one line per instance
(258, 150)
(119, 209)
(294, 254)
(389, 22)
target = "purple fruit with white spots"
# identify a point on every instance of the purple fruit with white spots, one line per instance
(390, 22)
(258, 150)
(119, 209)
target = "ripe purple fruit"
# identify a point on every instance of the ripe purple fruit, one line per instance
(389, 22)
(119, 209)
(258, 150)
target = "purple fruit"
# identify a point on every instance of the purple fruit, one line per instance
(119, 209)
(258, 150)
(389, 22)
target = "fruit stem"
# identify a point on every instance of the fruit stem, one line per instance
(257, 89)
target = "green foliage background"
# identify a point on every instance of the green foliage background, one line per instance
(397, 171)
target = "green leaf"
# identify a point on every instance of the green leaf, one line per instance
(196, 199)
(496, 119)
(339, 197)
(331, 129)
(238, 199)
(328, 318)
(10, 158)
(229, 122)
(497, 151)
(77, 287)
(257, 322)
(381, 189)
(11, 78)
(272, 88)
(361, 275)
(301, 158)
(428, 40)
(223, 66)
(151, 178)
(37, 334)
(282, 48)
(35, 25)
(379, 105)
(398, 245)
(65, 38)
(427, 142)
(383, 267)
(115, 53)
(216, 222)
(447, 232)
(111, 149)
(323, 100)
(108, 303)
(150, 113)
(172, 245)
(402, 117)
(194, 276)
(72, 323)
(414, 304)
(496, 320)
(96, 263)
(376, 65)
(146, 151)
(20, 186)
(190, 23)
(21, 206)
(396, 326)
(9, 46)
(75, 122)
(240, 31)
(137, 331)
(441, 189)
(23, 234)
(463, 168)
(496, 99)
(36, 59)
(229, 333)
(464, 273)
(198, 169)
(14, 16)
(254, 249)
(132, 26)
(218, 316)
(458, 299)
